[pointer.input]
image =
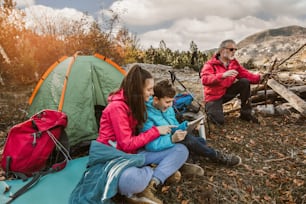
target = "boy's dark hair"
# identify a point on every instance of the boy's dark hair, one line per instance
(163, 89)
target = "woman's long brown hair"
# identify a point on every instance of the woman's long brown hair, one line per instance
(133, 88)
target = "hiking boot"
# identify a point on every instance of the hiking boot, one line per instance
(174, 178)
(147, 196)
(249, 118)
(227, 159)
(192, 169)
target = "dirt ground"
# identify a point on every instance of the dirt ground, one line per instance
(273, 156)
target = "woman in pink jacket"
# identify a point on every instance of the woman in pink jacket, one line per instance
(120, 126)
(223, 79)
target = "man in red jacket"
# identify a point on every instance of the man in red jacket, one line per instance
(223, 79)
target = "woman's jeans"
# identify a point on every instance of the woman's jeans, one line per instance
(198, 146)
(135, 180)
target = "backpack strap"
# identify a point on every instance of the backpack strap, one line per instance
(27, 186)
(7, 166)
(8, 171)
(63, 147)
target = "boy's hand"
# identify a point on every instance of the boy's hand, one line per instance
(193, 124)
(178, 136)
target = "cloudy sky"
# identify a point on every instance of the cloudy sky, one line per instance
(178, 22)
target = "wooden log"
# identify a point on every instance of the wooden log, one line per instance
(256, 89)
(294, 100)
(260, 95)
(297, 79)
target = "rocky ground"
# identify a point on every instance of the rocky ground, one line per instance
(273, 154)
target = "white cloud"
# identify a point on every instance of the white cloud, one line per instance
(207, 35)
(277, 8)
(150, 12)
(207, 23)
(178, 22)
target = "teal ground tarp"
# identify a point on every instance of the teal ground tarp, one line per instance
(54, 188)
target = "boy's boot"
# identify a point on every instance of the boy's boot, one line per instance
(227, 159)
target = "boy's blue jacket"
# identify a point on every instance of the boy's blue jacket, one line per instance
(159, 118)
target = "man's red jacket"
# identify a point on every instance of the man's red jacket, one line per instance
(211, 76)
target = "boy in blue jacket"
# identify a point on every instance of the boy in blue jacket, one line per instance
(161, 112)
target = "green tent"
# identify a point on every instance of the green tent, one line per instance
(77, 85)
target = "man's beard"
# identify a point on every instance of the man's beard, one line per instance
(231, 57)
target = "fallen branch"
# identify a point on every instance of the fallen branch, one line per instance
(276, 160)
(212, 184)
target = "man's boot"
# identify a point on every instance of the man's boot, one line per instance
(246, 112)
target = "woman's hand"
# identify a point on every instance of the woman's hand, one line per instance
(166, 129)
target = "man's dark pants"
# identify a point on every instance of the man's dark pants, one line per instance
(214, 109)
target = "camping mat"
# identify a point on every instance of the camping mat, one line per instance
(52, 188)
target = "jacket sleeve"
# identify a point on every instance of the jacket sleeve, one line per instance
(244, 73)
(165, 141)
(183, 126)
(212, 76)
(171, 118)
(209, 76)
(123, 126)
(147, 125)
(161, 143)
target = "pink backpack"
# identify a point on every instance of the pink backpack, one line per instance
(30, 144)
